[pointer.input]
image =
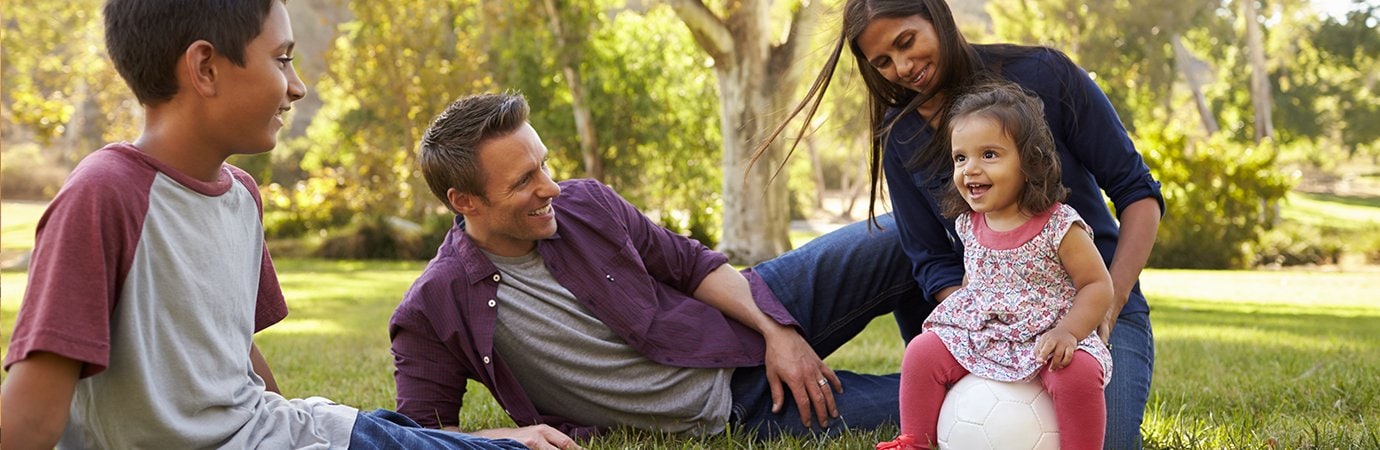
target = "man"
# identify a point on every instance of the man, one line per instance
(578, 312)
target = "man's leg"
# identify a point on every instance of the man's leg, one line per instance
(1133, 361)
(382, 428)
(836, 284)
(867, 401)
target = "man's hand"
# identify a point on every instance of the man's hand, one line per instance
(535, 437)
(790, 360)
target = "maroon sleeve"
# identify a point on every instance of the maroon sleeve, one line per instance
(84, 246)
(270, 307)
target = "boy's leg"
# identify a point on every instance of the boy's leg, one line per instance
(927, 373)
(867, 402)
(1079, 407)
(1133, 357)
(836, 284)
(382, 429)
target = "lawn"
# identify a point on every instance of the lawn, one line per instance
(1244, 358)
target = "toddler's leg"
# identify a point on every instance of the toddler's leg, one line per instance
(928, 370)
(1078, 402)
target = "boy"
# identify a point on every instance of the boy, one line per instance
(150, 274)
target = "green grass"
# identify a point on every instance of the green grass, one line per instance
(1244, 359)
(1333, 211)
(19, 220)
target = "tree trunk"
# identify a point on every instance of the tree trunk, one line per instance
(1260, 81)
(756, 85)
(1186, 62)
(566, 43)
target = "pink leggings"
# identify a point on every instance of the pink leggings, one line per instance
(929, 370)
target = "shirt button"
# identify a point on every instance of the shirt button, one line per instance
(496, 278)
(610, 277)
(492, 303)
(486, 360)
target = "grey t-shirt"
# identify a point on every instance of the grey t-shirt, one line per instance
(572, 365)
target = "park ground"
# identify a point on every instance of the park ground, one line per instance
(1244, 359)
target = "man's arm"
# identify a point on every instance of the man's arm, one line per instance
(261, 368)
(37, 396)
(789, 360)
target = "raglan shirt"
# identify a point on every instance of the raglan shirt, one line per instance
(156, 281)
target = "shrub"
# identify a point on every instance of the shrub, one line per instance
(1220, 196)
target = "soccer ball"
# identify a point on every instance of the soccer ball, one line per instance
(979, 413)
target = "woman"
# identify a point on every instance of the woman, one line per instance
(914, 63)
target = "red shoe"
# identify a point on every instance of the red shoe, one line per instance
(902, 442)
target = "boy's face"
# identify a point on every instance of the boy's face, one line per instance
(256, 96)
(516, 210)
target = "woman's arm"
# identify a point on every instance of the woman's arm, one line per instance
(1139, 223)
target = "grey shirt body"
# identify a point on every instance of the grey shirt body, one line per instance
(572, 365)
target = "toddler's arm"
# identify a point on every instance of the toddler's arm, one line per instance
(1080, 257)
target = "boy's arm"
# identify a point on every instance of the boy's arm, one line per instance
(37, 396)
(261, 368)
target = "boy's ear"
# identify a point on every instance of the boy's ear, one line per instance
(462, 203)
(198, 66)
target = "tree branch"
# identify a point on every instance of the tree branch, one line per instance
(803, 21)
(709, 30)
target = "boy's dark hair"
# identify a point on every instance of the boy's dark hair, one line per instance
(145, 38)
(449, 153)
(1021, 116)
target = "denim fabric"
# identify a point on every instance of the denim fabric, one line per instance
(1133, 362)
(384, 429)
(834, 286)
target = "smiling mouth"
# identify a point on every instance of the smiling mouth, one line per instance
(919, 76)
(976, 190)
(540, 212)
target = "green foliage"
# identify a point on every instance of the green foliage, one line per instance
(57, 83)
(658, 134)
(1219, 197)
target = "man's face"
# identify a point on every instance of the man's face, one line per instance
(515, 211)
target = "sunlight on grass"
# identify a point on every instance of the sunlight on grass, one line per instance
(19, 221)
(1351, 213)
(307, 326)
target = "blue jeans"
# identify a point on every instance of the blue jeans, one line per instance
(1133, 361)
(834, 286)
(384, 429)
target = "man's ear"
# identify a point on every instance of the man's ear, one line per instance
(462, 203)
(198, 67)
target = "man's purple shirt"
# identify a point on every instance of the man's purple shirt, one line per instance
(632, 274)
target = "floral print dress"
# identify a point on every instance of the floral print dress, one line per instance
(1017, 289)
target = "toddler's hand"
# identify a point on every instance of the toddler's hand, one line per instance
(1056, 348)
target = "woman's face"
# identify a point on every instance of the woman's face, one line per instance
(905, 50)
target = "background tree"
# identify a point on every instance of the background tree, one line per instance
(756, 79)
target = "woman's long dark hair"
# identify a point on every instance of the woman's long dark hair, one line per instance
(959, 68)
